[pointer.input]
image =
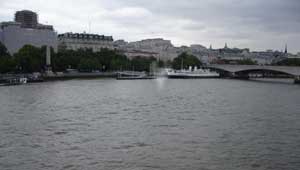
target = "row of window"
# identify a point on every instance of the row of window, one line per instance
(86, 36)
(95, 48)
(85, 41)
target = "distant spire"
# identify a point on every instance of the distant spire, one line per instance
(226, 45)
(286, 49)
(210, 47)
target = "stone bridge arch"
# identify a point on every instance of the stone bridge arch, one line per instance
(249, 71)
(232, 70)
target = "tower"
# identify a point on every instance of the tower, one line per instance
(226, 46)
(286, 49)
(28, 19)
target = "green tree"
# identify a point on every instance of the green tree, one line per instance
(89, 64)
(66, 59)
(141, 63)
(3, 50)
(30, 59)
(289, 62)
(186, 60)
(119, 62)
(246, 62)
(111, 59)
(161, 64)
(7, 64)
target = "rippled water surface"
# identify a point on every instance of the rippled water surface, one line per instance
(150, 125)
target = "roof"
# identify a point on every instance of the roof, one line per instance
(85, 36)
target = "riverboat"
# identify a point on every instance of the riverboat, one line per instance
(191, 74)
(134, 76)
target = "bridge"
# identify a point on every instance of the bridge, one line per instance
(243, 71)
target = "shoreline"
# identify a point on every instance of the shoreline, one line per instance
(69, 76)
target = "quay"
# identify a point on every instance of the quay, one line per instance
(67, 76)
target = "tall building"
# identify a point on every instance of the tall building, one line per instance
(26, 30)
(76, 41)
(28, 19)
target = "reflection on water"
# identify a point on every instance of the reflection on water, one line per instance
(150, 124)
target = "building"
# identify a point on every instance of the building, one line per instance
(144, 54)
(28, 19)
(76, 41)
(26, 30)
(159, 48)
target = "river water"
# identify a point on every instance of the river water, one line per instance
(150, 125)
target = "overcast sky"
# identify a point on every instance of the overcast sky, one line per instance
(255, 24)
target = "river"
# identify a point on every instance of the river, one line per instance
(150, 125)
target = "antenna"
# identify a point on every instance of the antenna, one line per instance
(90, 27)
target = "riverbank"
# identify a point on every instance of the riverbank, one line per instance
(67, 76)
(38, 77)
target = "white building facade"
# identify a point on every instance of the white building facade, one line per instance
(76, 41)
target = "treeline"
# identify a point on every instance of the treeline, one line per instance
(184, 60)
(289, 62)
(85, 60)
(239, 62)
(246, 62)
(33, 59)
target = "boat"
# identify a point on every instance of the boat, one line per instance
(12, 81)
(134, 76)
(35, 78)
(191, 74)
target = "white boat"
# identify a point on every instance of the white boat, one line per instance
(13, 81)
(191, 74)
(133, 76)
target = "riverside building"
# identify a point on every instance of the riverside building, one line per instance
(76, 41)
(25, 29)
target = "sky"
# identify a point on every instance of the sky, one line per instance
(255, 24)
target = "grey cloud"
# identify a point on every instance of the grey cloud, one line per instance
(253, 23)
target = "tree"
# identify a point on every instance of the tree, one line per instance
(65, 59)
(289, 62)
(119, 62)
(246, 62)
(89, 64)
(185, 60)
(3, 50)
(30, 59)
(141, 63)
(7, 64)
(161, 64)
(110, 59)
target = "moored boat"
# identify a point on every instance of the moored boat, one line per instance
(134, 76)
(191, 74)
(13, 81)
